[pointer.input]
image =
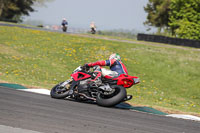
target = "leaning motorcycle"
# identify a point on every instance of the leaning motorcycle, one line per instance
(109, 92)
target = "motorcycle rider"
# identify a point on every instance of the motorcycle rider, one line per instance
(64, 23)
(116, 68)
(93, 27)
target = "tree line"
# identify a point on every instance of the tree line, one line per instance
(181, 18)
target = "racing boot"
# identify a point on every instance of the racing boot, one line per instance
(97, 76)
(96, 82)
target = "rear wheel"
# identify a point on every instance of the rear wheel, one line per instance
(59, 91)
(111, 99)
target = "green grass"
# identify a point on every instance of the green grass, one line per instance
(170, 77)
(18, 24)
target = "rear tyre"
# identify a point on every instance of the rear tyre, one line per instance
(112, 99)
(60, 92)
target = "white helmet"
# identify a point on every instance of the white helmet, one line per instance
(115, 56)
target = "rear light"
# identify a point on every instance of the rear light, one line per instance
(136, 80)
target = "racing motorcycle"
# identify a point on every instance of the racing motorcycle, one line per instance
(64, 28)
(109, 92)
(93, 30)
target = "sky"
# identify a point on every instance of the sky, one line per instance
(107, 14)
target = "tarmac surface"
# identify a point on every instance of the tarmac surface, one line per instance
(33, 113)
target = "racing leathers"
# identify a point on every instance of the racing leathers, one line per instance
(64, 22)
(116, 69)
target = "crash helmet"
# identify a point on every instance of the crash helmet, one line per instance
(115, 56)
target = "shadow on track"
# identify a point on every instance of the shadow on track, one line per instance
(126, 106)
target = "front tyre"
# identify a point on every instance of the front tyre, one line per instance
(64, 28)
(112, 99)
(60, 92)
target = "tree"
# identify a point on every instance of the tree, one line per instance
(14, 9)
(185, 18)
(158, 13)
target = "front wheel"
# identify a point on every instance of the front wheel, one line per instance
(59, 91)
(64, 28)
(108, 100)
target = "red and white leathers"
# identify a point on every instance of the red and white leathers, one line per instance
(116, 68)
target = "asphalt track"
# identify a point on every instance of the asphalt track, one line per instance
(40, 113)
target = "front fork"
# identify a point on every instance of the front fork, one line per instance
(66, 82)
(72, 85)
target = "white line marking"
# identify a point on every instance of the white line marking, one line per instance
(40, 91)
(189, 117)
(8, 129)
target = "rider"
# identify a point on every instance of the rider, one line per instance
(64, 22)
(93, 27)
(116, 68)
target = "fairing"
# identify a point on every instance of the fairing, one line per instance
(80, 75)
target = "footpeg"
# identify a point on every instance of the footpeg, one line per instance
(128, 97)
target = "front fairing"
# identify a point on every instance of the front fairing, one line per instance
(80, 76)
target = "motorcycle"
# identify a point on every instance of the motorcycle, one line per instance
(108, 93)
(93, 30)
(64, 28)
